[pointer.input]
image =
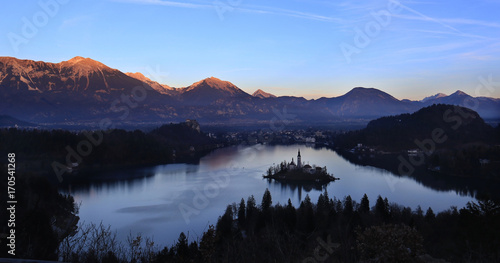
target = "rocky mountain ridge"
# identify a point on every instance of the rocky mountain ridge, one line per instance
(84, 90)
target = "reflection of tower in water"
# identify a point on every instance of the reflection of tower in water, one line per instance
(300, 193)
(296, 189)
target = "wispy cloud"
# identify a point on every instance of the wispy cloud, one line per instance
(438, 33)
(437, 48)
(452, 24)
(423, 17)
(475, 56)
(464, 21)
(483, 53)
(287, 12)
(167, 3)
(240, 8)
(446, 21)
(429, 59)
(451, 52)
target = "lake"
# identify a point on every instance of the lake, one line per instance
(162, 201)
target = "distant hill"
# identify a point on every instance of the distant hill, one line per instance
(366, 103)
(209, 90)
(186, 133)
(488, 108)
(433, 97)
(87, 92)
(457, 124)
(262, 94)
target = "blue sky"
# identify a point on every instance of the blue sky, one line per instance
(311, 48)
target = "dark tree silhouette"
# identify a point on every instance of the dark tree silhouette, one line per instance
(364, 207)
(267, 200)
(241, 213)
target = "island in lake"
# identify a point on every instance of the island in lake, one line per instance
(299, 172)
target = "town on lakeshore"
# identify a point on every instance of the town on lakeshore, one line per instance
(298, 172)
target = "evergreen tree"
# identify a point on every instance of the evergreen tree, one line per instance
(225, 223)
(267, 201)
(182, 248)
(194, 252)
(419, 212)
(306, 204)
(241, 212)
(207, 244)
(348, 206)
(365, 204)
(322, 205)
(306, 219)
(429, 215)
(382, 208)
(252, 213)
(291, 215)
(251, 207)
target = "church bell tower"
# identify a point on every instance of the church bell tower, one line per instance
(299, 161)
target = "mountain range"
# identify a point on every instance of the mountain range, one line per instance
(82, 90)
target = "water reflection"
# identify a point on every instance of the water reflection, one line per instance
(151, 200)
(296, 188)
(107, 184)
(478, 188)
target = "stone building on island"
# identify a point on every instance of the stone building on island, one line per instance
(305, 168)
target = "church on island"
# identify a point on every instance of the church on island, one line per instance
(306, 168)
(298, 172)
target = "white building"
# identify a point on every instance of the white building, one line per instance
(292, 166)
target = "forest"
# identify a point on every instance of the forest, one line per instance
(445, 139)
(52, 151)
(330, 230)
(343, 230)
(448, 126)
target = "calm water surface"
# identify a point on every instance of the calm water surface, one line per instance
(162, 201)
